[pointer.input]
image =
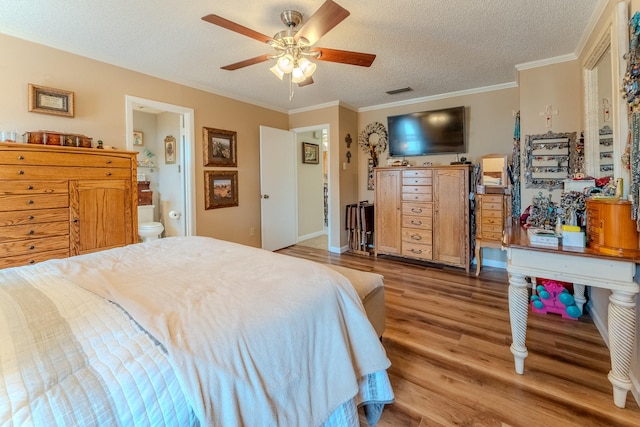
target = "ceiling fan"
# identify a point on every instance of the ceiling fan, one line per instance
(294, 46)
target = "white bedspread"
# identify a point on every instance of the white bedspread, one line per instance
(71, 358)
(210, 303)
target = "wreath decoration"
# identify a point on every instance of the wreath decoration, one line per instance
(374, 139)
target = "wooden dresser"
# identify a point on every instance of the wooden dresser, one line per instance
(492, 213)
(422, 213)
(57, 201)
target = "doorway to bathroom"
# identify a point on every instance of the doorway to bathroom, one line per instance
(163, 135)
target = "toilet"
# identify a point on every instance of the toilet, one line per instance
(148, 229)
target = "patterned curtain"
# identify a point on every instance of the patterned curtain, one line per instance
(515, 169)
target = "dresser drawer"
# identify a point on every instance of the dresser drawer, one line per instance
(495, 236)
(34, 216)
(421, 222)
(33, 246)
(417, 197)
(417, 209)
(488, 206)
(417, 173)
(417, 181)
(416, 250)
(492, 198)
(26, 259)
(415, 235)
(27, 157)
(70, 172)
(33, 187)
(34, 231)
(36, 201)
(491, 228)
(491, 214)
(497, 222)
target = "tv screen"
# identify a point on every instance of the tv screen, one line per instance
(428, 132)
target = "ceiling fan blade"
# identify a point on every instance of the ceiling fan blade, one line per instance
(305, 82)
(324, 19)
(247, 62)
(229, 25)
(345, 56)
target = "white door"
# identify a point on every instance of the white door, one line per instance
(278, 188)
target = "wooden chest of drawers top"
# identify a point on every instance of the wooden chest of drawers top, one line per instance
(43, 155)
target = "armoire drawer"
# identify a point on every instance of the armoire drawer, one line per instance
(34, 231)
(35, 201)
(422, 222)
(33, 187)
(417, 181)
(34, 216)
(27, 157)
(26, 259)
(33, 246)
(414, 235)
(417, 209)
(417, 197)
(416, 250)
(417, 173)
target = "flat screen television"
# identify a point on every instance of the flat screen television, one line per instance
(428, 132)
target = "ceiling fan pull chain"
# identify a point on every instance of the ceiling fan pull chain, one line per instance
(291, 88)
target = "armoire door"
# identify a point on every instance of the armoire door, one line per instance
(450, 216)
(388, 204)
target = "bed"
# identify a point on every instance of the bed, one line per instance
(186, 331)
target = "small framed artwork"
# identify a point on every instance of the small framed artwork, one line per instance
(137, 138)
(220, 189)
(219, 147)
(310, 153)
(48, 100)
(170, 150)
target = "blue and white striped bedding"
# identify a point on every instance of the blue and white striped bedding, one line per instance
(71, 357)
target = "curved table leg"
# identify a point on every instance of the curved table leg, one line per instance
(622, 330)
(518, 311)
(478, 258)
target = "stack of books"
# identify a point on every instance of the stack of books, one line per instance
(542, 237)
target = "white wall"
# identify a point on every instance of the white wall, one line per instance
(310, 190)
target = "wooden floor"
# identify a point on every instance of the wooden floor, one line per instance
(448, 338)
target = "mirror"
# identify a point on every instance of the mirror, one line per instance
(598, 109)
(494, 171)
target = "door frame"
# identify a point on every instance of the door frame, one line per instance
(333, 196)
(187, 144)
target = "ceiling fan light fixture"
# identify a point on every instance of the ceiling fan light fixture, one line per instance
(297, 75)
(307, 67)
(277, 71)
(286, 63)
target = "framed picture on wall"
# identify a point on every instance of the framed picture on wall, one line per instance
(219, 147)
(220, 189)
(170, 150)
(310, 153)
(137, 138)
(48, 100)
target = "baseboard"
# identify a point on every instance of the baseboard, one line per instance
(311, 235)
(604, 333)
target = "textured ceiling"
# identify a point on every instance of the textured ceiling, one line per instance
(433, 46)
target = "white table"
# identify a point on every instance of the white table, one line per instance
(582, 267)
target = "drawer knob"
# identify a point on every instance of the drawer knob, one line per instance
(416, 237)
(32, 247)
(33, 261)
(108, 173)
(20, 172)
(29, 187)
(30, 217)
(21, 157)
(75, 220)
(32, 232)
(30, 202)
(108, 162)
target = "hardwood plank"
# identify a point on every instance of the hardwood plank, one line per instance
(448, 338)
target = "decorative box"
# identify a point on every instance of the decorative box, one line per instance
(573, 238)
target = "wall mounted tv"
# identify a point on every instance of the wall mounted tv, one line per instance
(428, 132)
